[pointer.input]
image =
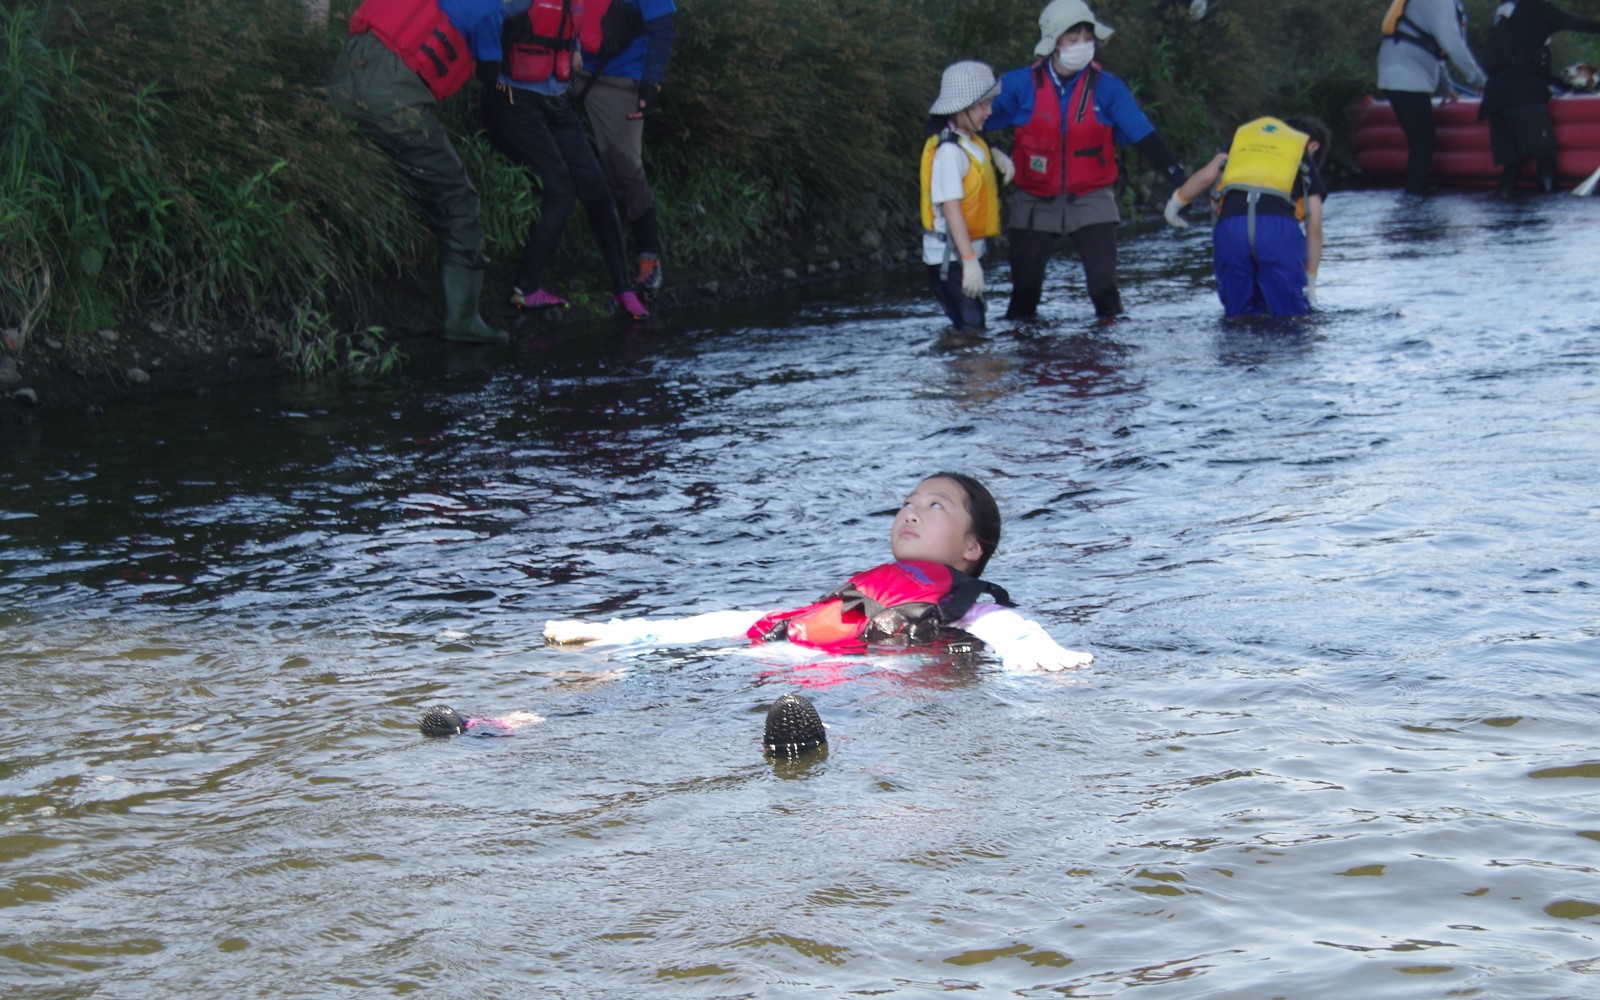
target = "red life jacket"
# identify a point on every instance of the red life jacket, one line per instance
(422, 36)
(541, 45)
(1077, 159)
(907, 601)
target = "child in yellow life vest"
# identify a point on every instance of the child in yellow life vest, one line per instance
(960, 196)
(1265, 186)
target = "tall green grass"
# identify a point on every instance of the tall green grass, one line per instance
(178, 157)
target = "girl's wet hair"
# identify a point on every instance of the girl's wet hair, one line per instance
(985, 514)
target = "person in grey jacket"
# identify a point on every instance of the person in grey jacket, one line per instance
(1419, 35)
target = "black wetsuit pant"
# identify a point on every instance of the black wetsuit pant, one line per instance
(544, 134)
(1030, 252)
(1414, 109)
(1518, 133)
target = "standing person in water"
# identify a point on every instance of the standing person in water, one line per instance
(942, 539)
(526, 69)
(1069, 115)
(1418, 36)
(1517, 56)
(403, 57)
(960, 196)
(1263, 187)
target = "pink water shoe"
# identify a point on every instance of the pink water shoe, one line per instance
(629, 303)
(538, 300)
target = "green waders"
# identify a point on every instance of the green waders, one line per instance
(372, 87)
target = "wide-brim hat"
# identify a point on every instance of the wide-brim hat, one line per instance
(964, 84)
(1060, 17)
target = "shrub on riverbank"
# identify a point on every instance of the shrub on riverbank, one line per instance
(173, 157)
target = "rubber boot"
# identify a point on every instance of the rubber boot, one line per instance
(462, 324)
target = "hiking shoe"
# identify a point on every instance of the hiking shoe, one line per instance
(538, 300)
(649, 278)
(629, 303)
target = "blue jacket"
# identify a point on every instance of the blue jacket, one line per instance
(479, 22)
(646, 58)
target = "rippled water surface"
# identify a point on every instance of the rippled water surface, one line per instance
(1339, 739)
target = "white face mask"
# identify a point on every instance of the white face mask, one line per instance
(1076, 56)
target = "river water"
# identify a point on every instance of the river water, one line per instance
(1340, 578)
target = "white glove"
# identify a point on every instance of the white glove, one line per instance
(1023, 645)
(971, 278)
(1003, 165)
(1175, 206)
(1311, 287)
(1040, 652)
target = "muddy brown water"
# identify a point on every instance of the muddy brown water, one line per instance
(1340, 578)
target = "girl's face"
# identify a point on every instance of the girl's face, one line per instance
(933, 525)
(973, 118)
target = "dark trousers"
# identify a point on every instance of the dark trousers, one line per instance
(1518, 133)
(1415, 112)
(544, 134)
(1030, 252)
(964, 313)
(372, 87)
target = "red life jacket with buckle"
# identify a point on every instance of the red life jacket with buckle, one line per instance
(905, 602)
(542, 43)
(1076, 159)
(422, 36)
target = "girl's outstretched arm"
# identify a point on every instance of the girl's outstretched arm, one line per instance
(1022, 644)
(663, 632)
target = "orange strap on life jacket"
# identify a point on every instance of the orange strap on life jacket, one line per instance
(908, 600)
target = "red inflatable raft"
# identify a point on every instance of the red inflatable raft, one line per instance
(1461, 151)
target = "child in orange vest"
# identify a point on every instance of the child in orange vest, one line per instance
(942, 538)
(960, 197)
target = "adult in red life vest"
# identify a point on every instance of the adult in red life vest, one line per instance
(402, 58)
(532, 123)
(626, 44)
(1069, 115)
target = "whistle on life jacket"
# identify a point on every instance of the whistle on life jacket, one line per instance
(906, 602)
(544, 42)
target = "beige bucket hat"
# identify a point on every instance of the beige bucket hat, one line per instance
(1061, 15)
(964, 84)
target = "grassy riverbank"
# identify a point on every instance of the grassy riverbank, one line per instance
(175, 158)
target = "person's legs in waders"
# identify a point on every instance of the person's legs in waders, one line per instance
(1516, 134)
(371, 86)
(609, 102)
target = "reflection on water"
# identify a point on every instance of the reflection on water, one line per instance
(1339, 575)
